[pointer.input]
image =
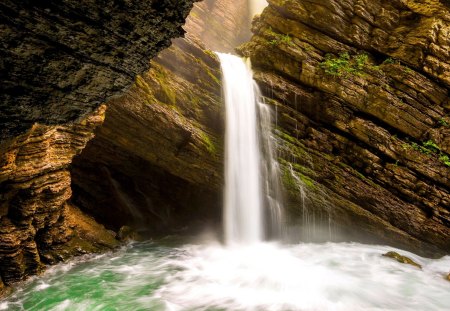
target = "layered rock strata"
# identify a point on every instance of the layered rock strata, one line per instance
(361, 91)
(36, 225)
(156, 163)
(59, 60)
(221, 25)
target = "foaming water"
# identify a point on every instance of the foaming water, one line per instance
(264, 276)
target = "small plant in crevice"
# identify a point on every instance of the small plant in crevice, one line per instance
(346, 64)
(430, 148)
(390, 60)
(281, 39)
(394, 61)
(443, 122)
(444, 158)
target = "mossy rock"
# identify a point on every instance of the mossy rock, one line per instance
(402, 259)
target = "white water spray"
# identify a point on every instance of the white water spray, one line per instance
(251, 179)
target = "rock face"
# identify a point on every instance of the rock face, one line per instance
(156, 162)
(62, 59)
(59, 61)
(221, 25)
(362, 96)
(36, 225)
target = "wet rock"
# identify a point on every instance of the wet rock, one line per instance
(126, 234)
(402, 259)
(360, 117)
(60, 60)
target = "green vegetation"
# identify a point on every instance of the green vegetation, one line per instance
(394, 61)
(429, 147)
(443, 122)
(390, 60)
(345, 64)
(278, 38)
(286, 39)
(210, 146)
(292, 183)
(444, 158)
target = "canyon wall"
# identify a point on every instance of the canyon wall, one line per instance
(361, 91)
(221, 25)
(156, 162)
(62, 59)
(59, 61)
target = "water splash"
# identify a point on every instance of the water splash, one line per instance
(265, 276)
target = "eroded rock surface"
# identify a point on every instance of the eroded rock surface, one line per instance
(59, 61)
(362, 94)
(36, 226)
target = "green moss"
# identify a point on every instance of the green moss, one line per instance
(210, 53)
(209, 144)
(444, 158)
(143, 85)
(213, 77)
(390, 60)
(285, 136)
(290, 181)
(353, 170)
(307, 181)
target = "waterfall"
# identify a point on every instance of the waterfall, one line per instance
(251, 197)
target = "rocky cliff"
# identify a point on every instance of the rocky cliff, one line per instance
(221, 25)
(59, 61)
(156, 163)
(361, 90)
(62, 59)
(37, 227)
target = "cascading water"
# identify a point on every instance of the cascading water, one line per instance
(251, 179)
